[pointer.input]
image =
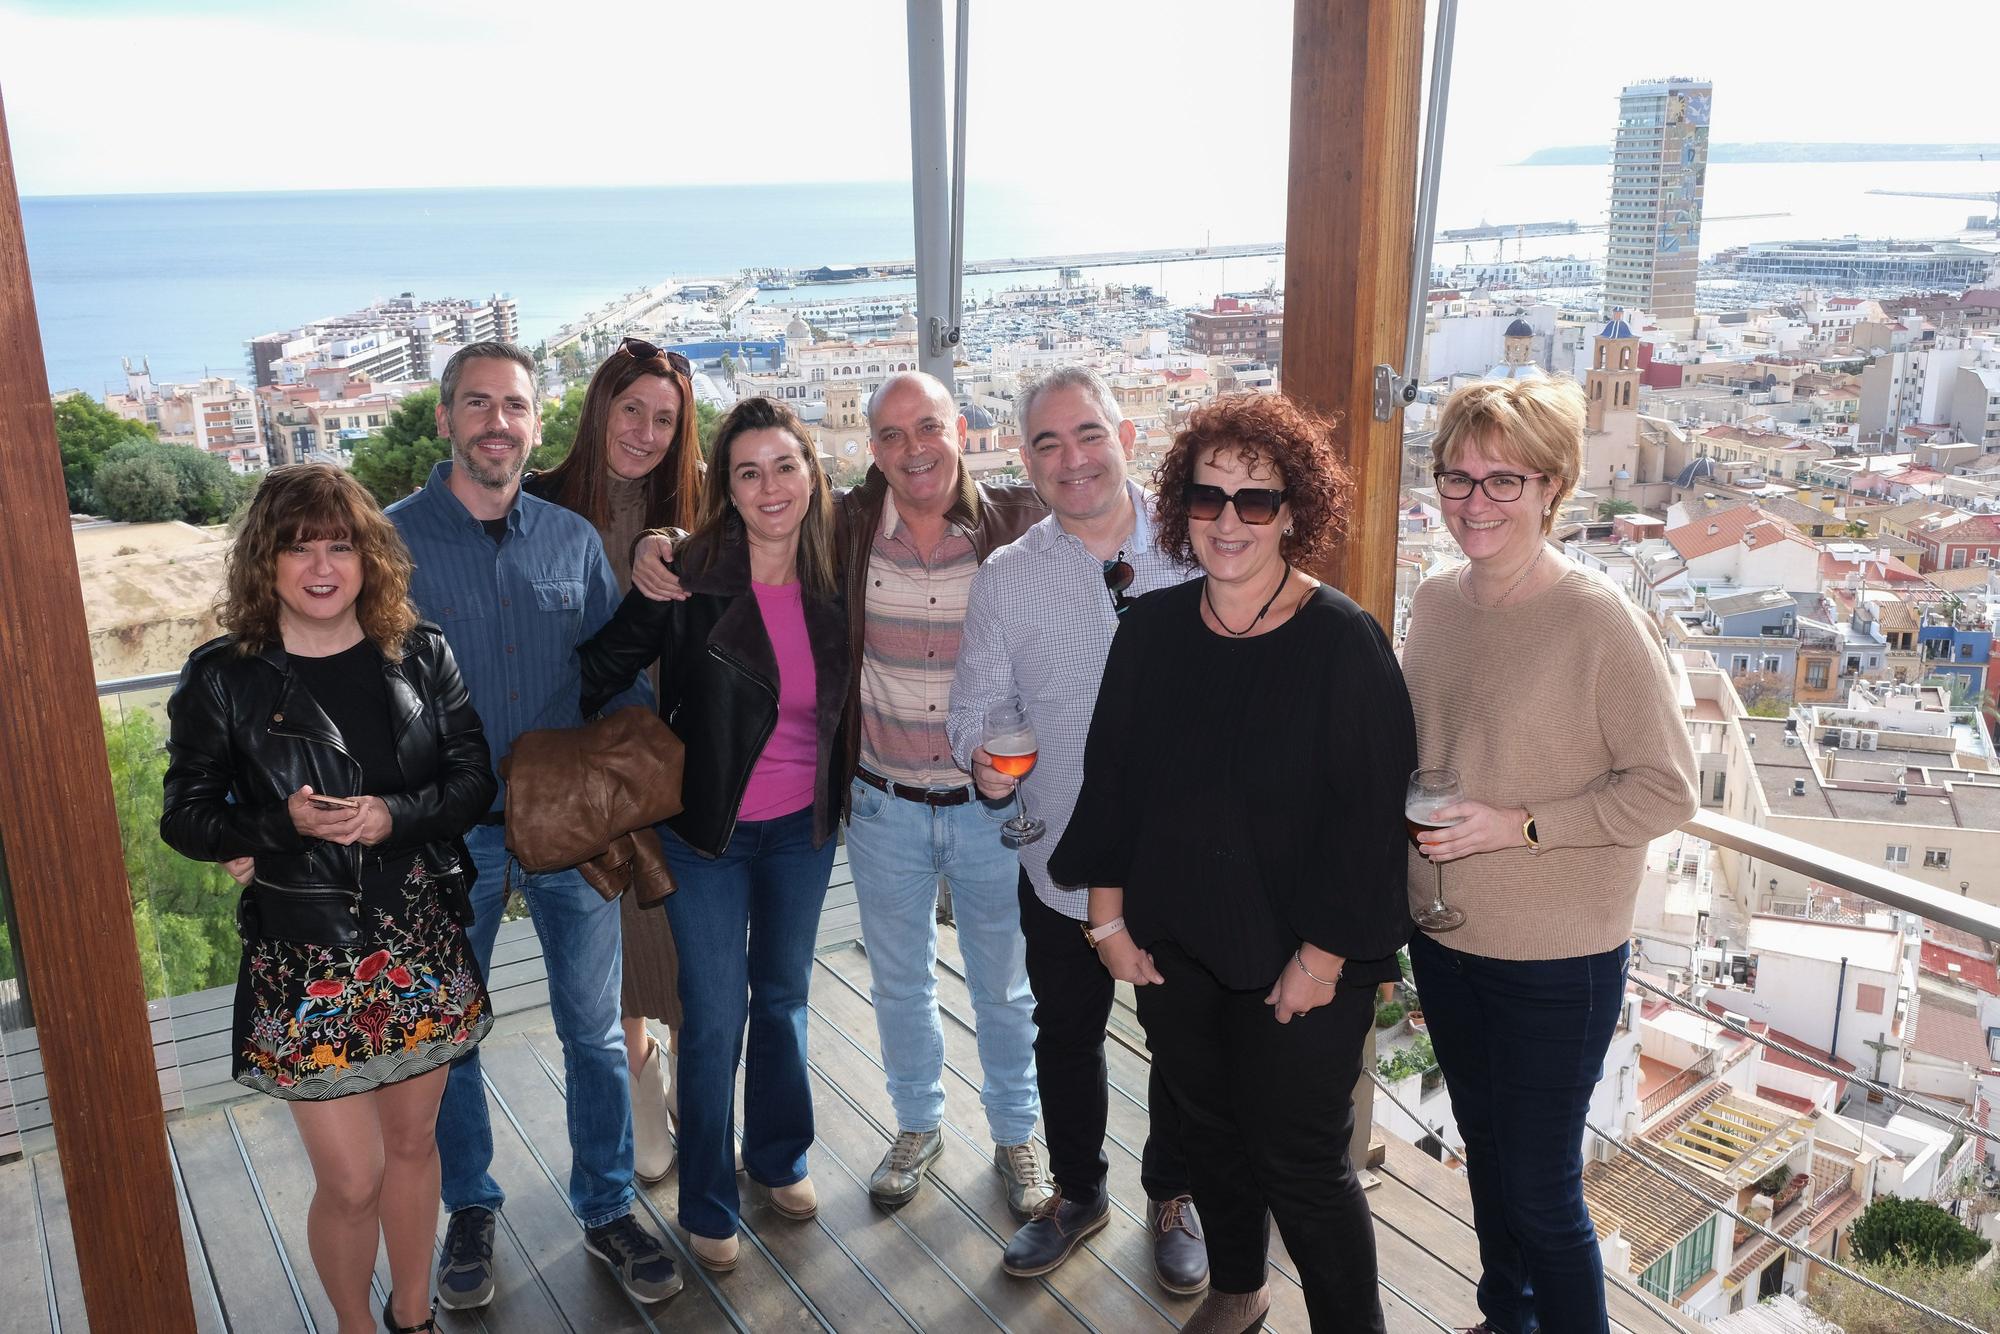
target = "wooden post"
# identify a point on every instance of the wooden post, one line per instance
(63, 867)
(1357, 90)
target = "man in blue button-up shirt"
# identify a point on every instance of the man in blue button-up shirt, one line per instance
(517, 584)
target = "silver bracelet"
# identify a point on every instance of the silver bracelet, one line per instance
(1299, 958)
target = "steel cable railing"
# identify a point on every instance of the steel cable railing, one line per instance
(1803, 1252)
(1897, 1095)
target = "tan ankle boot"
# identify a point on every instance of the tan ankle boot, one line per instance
(1229, 1312)
(652, 1144)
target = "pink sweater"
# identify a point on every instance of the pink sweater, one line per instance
(782, 780)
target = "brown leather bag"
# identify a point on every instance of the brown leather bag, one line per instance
(588, 797)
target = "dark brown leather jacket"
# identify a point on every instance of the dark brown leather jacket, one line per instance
(589, 797)
(994, 513)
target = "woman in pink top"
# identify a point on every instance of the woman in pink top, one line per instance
(753, 674)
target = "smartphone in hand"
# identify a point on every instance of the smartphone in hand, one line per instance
(326, 803)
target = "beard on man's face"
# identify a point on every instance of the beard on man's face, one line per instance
(491, 473)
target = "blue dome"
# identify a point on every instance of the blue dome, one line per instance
(976, 417)
(1520, 329)
(1617, 328)
(1704, 466)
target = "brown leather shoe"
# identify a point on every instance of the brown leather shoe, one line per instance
(1180, 1252)
(1057, 1228)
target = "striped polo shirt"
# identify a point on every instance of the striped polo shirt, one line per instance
(914, 615)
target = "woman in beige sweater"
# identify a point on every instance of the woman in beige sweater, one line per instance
(1550, 694)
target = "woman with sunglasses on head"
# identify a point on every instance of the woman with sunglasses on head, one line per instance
(1570, 765)
(1241, 831)
(753, 676)
(636, 465)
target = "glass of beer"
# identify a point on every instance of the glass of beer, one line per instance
(1010, 742)
(1430, 791)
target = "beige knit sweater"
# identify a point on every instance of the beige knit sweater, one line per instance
(1564, 704)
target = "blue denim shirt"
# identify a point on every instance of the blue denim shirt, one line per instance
(513, 611)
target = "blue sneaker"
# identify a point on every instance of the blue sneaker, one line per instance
(465, 1271)
(644, 1269)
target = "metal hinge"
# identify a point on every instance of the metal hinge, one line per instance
(1392, 393)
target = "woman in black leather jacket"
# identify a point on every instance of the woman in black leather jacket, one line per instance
(329, 739)
(753, 676)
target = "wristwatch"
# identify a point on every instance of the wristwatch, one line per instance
(1530, 836)
(1094, 936)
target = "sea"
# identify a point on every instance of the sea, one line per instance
(186, 280)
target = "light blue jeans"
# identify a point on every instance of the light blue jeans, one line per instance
(581, 949)
(897, 850)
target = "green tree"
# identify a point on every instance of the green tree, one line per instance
(1611, 509)
(139, 490)
(1917, 1231)
(396, 460)
(559, 428)
(1970, 1294)
(183, 912)
(86, 431)
(706, 418)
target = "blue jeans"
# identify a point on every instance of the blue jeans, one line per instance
(1522, 1044)
(897, 850)
(768, 884)
(581, 951)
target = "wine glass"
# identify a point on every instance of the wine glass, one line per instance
(1010, 743)
(1430, 791)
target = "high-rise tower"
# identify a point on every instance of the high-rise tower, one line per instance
(1658, 167)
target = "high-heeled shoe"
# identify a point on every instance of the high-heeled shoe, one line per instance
(428, 1326)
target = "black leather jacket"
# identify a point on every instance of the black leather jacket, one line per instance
(719, 689)
(245, 735)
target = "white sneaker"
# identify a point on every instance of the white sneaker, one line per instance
(652, 1141)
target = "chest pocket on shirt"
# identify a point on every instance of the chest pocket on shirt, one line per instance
(561, 597)
(454, 613)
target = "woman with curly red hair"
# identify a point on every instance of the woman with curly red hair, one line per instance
(328, 748)
(1241, 832)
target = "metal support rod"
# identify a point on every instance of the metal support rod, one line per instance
(956, 314)
(930, 184)
(1427, 189)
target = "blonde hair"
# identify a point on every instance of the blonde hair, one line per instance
(1534, 424)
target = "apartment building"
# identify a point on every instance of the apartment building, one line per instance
(399, 339)
(1240, 326)
(1659, 170)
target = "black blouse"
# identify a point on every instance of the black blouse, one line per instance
(1247, 794)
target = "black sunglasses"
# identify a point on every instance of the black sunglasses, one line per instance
(640, 350)
(1118, 577)
(1254, 504)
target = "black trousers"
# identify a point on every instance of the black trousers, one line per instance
(1073, 996)
(1266, 1112)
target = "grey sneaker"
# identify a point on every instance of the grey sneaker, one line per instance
(634, 1254)
(1028, 1187)
(465, 1270)
(901, 1170)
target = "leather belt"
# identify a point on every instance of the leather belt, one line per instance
(925, 796)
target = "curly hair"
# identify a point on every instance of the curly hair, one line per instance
(311, 502)
(1271, 429)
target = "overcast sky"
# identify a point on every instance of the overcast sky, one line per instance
(1100, 100)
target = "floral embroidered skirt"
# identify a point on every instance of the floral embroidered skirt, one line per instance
(323, 1021)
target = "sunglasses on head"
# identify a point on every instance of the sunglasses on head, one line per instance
(1118, 577)
(640, 350)
(1254, 504)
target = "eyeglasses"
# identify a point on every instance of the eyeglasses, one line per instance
(1254, 504)
(1500, 486)
(640, 350)
(1118, 577)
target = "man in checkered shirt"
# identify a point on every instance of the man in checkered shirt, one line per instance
(1039, 624)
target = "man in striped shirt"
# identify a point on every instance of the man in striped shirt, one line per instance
(912, 534)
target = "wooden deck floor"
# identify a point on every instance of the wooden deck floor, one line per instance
(932, 1266)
